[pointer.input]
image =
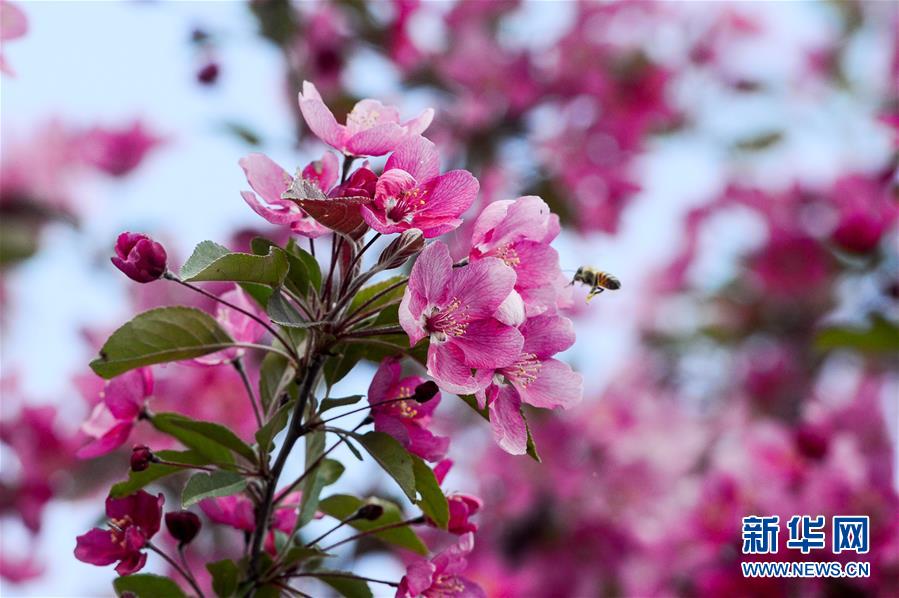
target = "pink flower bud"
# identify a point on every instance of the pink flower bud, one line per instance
(139, 257)
(183, 525)
(425, 391)
(209, 74)
(141, 457)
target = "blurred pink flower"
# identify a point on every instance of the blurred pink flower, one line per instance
(455, 307)
(441, 576)
(113, 418)
(133, 520)
(117, 151)
(239, 326)
(372, 129)
(238, 511)
(411, 193)
(13, 25)
(397, 413)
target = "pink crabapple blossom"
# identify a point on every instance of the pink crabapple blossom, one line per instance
(270, 181)
(411, 193)
(372, 129)
(238, 511)
(441, 576)
(456, 308)
(117, 152)
(239, 326)
(461, 506)
(112, 419)
(534, 378)
(133, 521)
(396, 412)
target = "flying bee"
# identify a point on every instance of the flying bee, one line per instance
(597, 280)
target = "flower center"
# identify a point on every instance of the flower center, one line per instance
(117, 533)
(450, 320)
(446, 585)
(508, 254)
(400, 207)
(525, 370)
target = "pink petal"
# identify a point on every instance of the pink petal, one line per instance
(369, 113)
(481, 286)
(320, 119)
(420, 123)
(538, 264)
(509, 429)
(97, 548)
(282, 214)
(556, 385)
(511, 311)
(385, 378)
(125, 394)
(489, 219)
(265, 177)
(132, 563)
(547, 335)
(376, 141)
(144, 510)
(13, 22)
(448, 195)
(323, 172)
(489, 344)
(410, 310)
(417, 156)
(432, 272)
(110, 441)
(446, 366)
(427, 445)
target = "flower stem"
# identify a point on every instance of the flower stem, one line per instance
(375, 530)
(238, 365)
(344, 575)
(184, 572)
(294, 432)
(264, 323)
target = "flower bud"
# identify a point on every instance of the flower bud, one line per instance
(370, 512)
(409, 243)
(141, 457)
(183, 525)
(425, 391)
(208, 74)
(139, 257)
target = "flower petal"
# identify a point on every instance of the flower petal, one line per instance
(446, 366)
(556, 385)
(489, 344)
(417, 156)
(319, 118)
(265, 177)
(509, 429)
(482, 286)
(98, 547)
(546, 335)
(376, 141)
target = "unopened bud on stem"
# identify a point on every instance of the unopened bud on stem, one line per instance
(409, 243)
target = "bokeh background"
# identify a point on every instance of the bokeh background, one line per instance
(733, 163)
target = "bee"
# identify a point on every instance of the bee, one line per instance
(598, 280)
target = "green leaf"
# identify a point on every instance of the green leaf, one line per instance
(880, 336)
(298, 278)
(342, 506)
(392, 457)
(260, 293)
(433, 501)
(160, 335)
(345, 584)
(208, 263)
(175, 423)
(266, 434)
(472, 402)
(329, 403)
(282, 312)
(147, 585)
(389, 298)
(205, 253)
(139, 479)
(225, 577)
(211, 485)
(313, 270)
(275, 373)
(312, 486)
(298, 554)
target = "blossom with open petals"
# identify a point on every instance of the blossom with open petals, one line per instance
(534, 378)
(371, 129)
(133, 521)
(519, 233)
(238, 511)
(397, 413)
(441, 576)
(270, 181)
(413, 194)
(113, 418)
(456, 308)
